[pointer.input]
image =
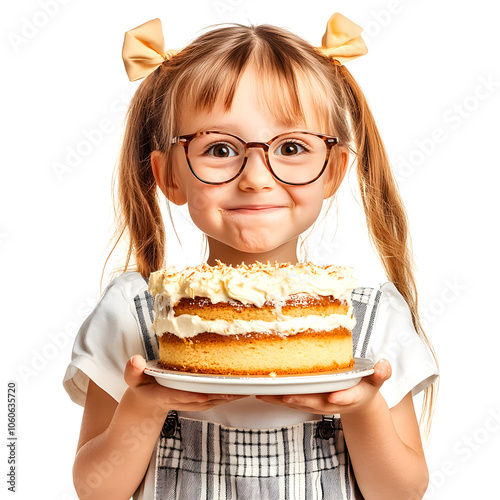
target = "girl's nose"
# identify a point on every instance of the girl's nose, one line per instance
(256, 175)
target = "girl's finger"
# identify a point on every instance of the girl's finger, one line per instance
(312, 403)
(134, 371)
(383, 372)
(345, 397)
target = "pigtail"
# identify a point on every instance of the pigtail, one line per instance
(385, 213)
(136, 201)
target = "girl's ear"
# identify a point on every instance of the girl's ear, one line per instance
(335, 172)
(169, 188)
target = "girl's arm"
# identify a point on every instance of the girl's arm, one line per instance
(117, 440)
(386, 449)
(384, 444)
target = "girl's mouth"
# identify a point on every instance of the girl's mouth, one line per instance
(254, 209)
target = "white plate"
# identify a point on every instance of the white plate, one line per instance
(313, 383)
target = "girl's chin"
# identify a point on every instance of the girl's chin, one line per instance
(258, 249)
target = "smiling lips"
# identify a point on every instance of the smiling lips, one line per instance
(254, 209)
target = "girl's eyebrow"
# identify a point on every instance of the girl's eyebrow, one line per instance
(224, 126)
(221, 127)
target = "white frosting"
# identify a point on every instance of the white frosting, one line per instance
(254, 284)
(185, 325)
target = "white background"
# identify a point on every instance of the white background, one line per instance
(433, 81)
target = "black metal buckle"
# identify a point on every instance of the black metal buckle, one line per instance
(171, 425)
(325, 429)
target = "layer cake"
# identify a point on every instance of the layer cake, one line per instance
(259, 319)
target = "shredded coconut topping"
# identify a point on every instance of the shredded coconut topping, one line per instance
(252, 284)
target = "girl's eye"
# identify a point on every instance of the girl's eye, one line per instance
(221, 150)
(289, 149)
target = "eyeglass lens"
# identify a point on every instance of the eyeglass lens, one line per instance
(294, 158)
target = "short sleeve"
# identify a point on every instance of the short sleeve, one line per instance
(395, 339)
(106, 340)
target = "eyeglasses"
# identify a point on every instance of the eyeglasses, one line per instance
(294, 158)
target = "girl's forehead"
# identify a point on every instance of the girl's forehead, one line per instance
(260, 102)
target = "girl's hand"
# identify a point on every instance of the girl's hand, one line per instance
(347, 401)
(154, 397)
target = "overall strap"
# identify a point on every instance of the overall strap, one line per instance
(365, 302)
(144, 307)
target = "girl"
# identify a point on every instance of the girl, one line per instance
(139, 438)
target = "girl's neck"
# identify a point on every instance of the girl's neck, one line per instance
(231, 256)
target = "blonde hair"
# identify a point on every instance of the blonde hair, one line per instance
(208, 71)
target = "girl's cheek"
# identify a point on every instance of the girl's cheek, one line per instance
(201, 196)
(196, 203)
(202, 206)
(311, 200)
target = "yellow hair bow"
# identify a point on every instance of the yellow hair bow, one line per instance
(342, 39)
(144, 50)
(144, 46)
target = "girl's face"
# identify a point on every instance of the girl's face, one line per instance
(254, 217)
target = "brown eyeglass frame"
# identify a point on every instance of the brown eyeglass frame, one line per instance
(185, 140)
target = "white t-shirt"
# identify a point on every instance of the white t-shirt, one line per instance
(111, 335)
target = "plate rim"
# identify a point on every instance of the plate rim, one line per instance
(362, 367)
